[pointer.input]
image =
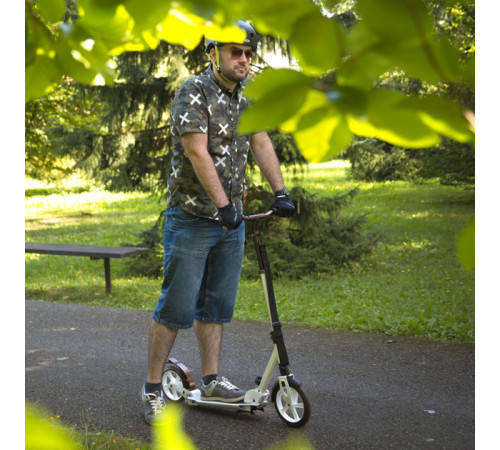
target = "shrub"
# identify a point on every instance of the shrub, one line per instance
(375, 160)
(149, 264)
(316, 239)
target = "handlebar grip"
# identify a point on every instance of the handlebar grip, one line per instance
(261, 215)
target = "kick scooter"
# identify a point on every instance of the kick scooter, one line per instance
(291, 403)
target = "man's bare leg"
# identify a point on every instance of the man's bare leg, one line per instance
(209, 340)
(161, 340)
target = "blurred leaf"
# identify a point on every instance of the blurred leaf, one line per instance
(314, 100)
(349, 99)
(147, 13)
(272, 79)
(431, 61)
(230, 33)
(466, 245)
(278, 95)
(181, 27)
(390, 119)
(40, 76)
(442, 116)
(362, 67)
(317, 42)
(277, 17)
(109, 27)
(294, 441)
(321, 134)
(187, 22)
(448, 58)
(43, 434)
(79, 47)
(105, 3)
(402, 33)
(168, 431)
(52, 10)
(469, 71)
(396, 20)
(70, 66)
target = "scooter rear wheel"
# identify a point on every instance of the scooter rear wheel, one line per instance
(292, 405)
(173, 382)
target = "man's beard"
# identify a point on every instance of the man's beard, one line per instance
(235, 74)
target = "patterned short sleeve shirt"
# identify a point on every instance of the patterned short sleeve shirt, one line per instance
(204, 105)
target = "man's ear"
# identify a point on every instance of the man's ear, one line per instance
(212, 55)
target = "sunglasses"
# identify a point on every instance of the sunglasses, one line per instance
(236, 53)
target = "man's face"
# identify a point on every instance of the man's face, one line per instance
(235, 61)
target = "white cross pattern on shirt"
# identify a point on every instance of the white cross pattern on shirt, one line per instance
(190, 200)
(225, 149)
(220, 161)
(174, 172)
(203, 129)
(195, 99)
(210, 109)
(184, 118)
(223, 128)
(197, 80)
(221, 98)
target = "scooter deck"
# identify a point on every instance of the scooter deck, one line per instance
(194, 398)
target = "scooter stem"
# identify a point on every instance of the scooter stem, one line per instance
(265, 270)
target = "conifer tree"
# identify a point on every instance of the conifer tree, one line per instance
(119, 134)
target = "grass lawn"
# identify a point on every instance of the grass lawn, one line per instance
(411, 284)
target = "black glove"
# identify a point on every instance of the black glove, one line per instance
(283, 206)
(230, 218)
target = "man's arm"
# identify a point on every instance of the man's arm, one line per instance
(196, 148)
(265, 156)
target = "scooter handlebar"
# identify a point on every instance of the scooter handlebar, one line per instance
(254, 217)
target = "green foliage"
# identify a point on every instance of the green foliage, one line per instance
(280, 92)
(414, 268)
(46, 155)
(375, 160)
(323, 116)
(149, 264)
(466, 245)
(392, 34)
(168, 432)
(398, 34)
(118, 135)
(41, 433)
(452, 162)
(318, 238)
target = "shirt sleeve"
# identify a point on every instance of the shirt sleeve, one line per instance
(189, 113)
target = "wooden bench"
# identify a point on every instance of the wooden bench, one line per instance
(92, 251)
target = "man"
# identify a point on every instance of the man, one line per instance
(204, 235)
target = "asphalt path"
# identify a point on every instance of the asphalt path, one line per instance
(87, 364)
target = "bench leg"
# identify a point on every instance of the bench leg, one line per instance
(107, 274)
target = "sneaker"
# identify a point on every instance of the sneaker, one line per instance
(154, 404)
(221, 390)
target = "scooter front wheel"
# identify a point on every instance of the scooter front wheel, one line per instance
(173, 382)
(292, 404)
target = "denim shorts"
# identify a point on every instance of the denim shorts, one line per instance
(201, 270)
